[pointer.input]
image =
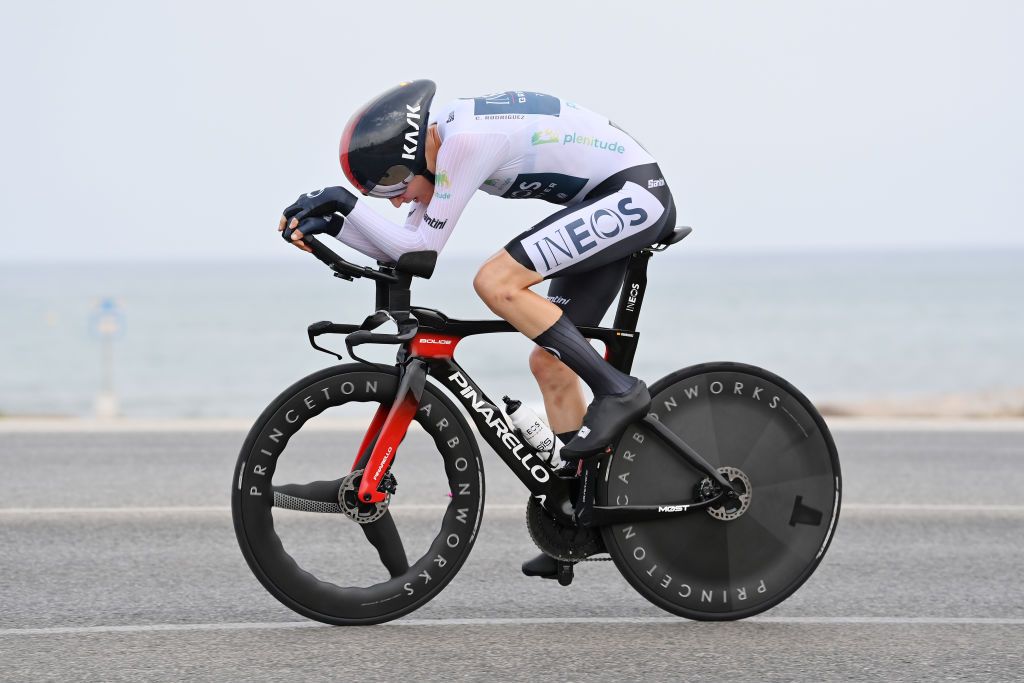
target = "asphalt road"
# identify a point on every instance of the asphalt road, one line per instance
(118, 562)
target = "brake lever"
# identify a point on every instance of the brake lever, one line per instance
(327, 327)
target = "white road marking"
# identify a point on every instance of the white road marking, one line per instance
(515, 621)
(928, 507)
(357, 424)
(496, 507)
(143, 510)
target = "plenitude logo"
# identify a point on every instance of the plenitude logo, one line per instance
(587, 141)
(442, 180)
(543, 137)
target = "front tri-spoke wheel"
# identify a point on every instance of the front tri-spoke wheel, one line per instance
(743, 557)
(307, 537)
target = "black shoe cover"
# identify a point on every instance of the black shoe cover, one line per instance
(568, 469)
(543, 566)
(605, 420)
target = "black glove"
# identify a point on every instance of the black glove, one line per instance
(329, 225)
(321, 203)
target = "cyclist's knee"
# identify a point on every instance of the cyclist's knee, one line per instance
(495, 284)
(484, 282)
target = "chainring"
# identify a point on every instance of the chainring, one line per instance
(570, 544)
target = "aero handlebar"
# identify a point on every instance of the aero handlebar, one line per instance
(342, 268)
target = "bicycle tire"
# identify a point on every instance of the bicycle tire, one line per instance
(252, 499)
(709, 569)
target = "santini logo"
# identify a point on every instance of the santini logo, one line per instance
(434, 222)
(413, 136)
(651, 184)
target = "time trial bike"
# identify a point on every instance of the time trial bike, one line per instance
(717, 505)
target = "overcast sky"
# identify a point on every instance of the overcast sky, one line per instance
(179, 130)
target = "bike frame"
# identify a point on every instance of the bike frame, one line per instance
(428, 341)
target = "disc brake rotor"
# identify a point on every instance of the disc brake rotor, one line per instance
(355, 509)
(733, 508)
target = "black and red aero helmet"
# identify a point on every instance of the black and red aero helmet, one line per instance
(385, 143)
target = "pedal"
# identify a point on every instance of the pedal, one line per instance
(567, 470)
(565, 573)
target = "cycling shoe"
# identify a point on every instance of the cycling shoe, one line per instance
(543, 566)
(606, 418)
(569, 469)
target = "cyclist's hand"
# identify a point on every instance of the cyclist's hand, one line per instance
(317, 204)
(328, 225)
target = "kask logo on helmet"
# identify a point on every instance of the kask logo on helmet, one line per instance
(412, 137)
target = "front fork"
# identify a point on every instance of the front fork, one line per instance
(391, 428)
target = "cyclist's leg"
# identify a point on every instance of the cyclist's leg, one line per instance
(584, 298)
(594, 233)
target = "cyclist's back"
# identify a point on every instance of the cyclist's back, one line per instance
(557, 151)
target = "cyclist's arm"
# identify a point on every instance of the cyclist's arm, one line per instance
(374, 235)
(356, 240)
(467, 160)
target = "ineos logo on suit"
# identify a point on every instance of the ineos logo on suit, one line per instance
(594, 226)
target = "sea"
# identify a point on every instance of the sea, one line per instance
(184, 340)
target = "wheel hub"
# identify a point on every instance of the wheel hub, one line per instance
(355, 509)
(734, 506)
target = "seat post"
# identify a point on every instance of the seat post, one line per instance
(634, 285)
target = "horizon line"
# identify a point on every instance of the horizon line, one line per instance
(704, 250)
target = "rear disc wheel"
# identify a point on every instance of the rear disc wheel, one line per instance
(738, 559)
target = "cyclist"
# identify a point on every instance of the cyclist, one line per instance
(516, 145)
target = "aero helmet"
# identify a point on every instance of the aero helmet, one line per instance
(384, 143)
